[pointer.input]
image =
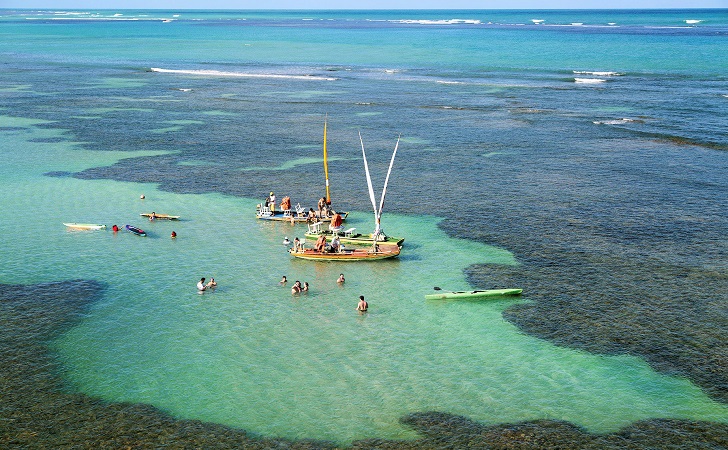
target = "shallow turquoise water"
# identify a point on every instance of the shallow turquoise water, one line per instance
(253, 356)
(628, 170)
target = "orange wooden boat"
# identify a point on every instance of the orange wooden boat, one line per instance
(352, 254)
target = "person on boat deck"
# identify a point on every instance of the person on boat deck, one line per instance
(336, 221)
(296, 288)
(283, 281)
(285, 203)
(322, 207)
(335, 244)
(341, 278)
(297, 244)
(305, 286)
(211, 284)
(320, 244)
(311, 215)
(272, 202)
(363, 305)
(201, 284)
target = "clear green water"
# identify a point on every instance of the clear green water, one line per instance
(251, 355)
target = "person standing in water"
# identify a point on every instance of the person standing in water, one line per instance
(341, 278)
(201, 284)
(363, 306)
(296, 287)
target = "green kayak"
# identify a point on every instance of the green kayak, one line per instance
(474, 294)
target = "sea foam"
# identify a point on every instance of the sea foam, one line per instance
(589, 80)
(598, 74)
(438, 22)
(617, 121)
(218, 73)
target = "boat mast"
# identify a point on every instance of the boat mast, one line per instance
(326, 164)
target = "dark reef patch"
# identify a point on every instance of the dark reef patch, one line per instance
(37, 412)
(59, 174)
(604, 310)
(53, 140)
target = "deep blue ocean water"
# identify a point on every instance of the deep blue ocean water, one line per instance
(586, 147)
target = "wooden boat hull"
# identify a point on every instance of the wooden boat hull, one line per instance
(474, 294)
(134, 230)
(160, 216)
(358, 254)
(84, 226)
(364, 239)
(279, 217)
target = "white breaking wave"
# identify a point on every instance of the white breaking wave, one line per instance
(616, 121)
(598, 74)
(589, 80)
(217, 73)
(692, 21)
(449, 82)
(438, 22)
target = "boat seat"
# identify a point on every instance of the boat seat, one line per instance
(264, 211)
(349, 232)
(336, 230)
(300, 212)
(286, 213)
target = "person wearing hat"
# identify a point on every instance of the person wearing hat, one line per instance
(272, 202)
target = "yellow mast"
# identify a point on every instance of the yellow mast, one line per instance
(326, 165)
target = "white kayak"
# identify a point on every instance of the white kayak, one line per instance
(84, 226)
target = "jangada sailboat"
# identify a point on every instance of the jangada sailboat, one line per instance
(378, 249)
(298, 214)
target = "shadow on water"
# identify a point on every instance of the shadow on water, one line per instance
(39, 412)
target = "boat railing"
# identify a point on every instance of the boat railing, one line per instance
(264, 211)
(315, 228)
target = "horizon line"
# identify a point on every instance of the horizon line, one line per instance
(370, 9)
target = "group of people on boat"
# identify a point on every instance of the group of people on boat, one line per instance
(321, 247)
(325, 210)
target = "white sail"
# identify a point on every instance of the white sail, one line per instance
(377, 213)
(386, 180)
(369, 183)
